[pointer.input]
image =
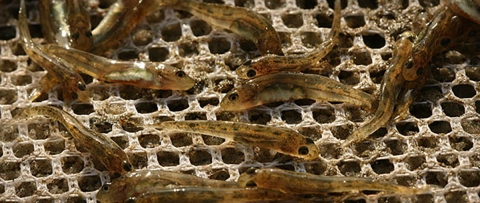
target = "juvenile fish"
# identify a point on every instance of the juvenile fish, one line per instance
(271, 63)
(136, 183)
(240, 21)
(446, 30)
(466, 8)
(100, 146)
(304, 183)
(214, 195)
(152, 75)
(64, 72)
(121, 18)
(292, 86)
(78, 19)
(390, 87)
(66, 23)
(283, 140)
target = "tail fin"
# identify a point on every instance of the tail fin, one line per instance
(23, 26)
(336, 24)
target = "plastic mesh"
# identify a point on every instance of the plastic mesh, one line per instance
(436, 144)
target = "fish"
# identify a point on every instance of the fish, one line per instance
(138, 182)
(66, 23)
(271, 63)
(283, 140)
(291, 182)
(121, 18)
(292, 86)
(391, 86)
(63, 72)
(214, 195)
(144, 74)
(241, 21)
(99, 145)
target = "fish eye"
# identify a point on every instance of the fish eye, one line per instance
(233, 97)
(303, 150)
(419, 71)
(116, 175)
(180, 74)
(130, 200)
(472, 33)
(251, 183)
(310, 141)
(106, 187)
(445, 41)
(251, 73)
(409, 64)
(75, 35)
(81, 86)
(247, 62)
(127, 166)
(88, 34)
(410, 38)
(74, 95)
(250, 171)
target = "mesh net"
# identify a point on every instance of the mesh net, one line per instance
(435, 144)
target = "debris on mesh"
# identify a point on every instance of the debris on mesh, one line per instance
(435, 144)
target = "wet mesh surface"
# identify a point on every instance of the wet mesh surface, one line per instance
(436, 144)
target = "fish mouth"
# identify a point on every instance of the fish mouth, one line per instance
(168, 83)
(180, 84)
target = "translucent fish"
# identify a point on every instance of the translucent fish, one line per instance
(304, 183)
(283, 140)
(57, 67)
(152, 75)
(292, 86)
(271, 63)
(241, 21)
(136, 183)
(100, 146)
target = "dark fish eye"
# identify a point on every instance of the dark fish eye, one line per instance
(445, 41)
(81, 86)
(233, 97)
(88, 34)
(251, 184)
(472, 34)
(116, 175)
(130, 200)
(250, 171)
(409, 64)
(180, 74)
(310, 141)
(127, 166)
(74, 95)
(410, 38)
(303, 150)
(106, 187)
(75, 35)
(251, 73)
(419, 71)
